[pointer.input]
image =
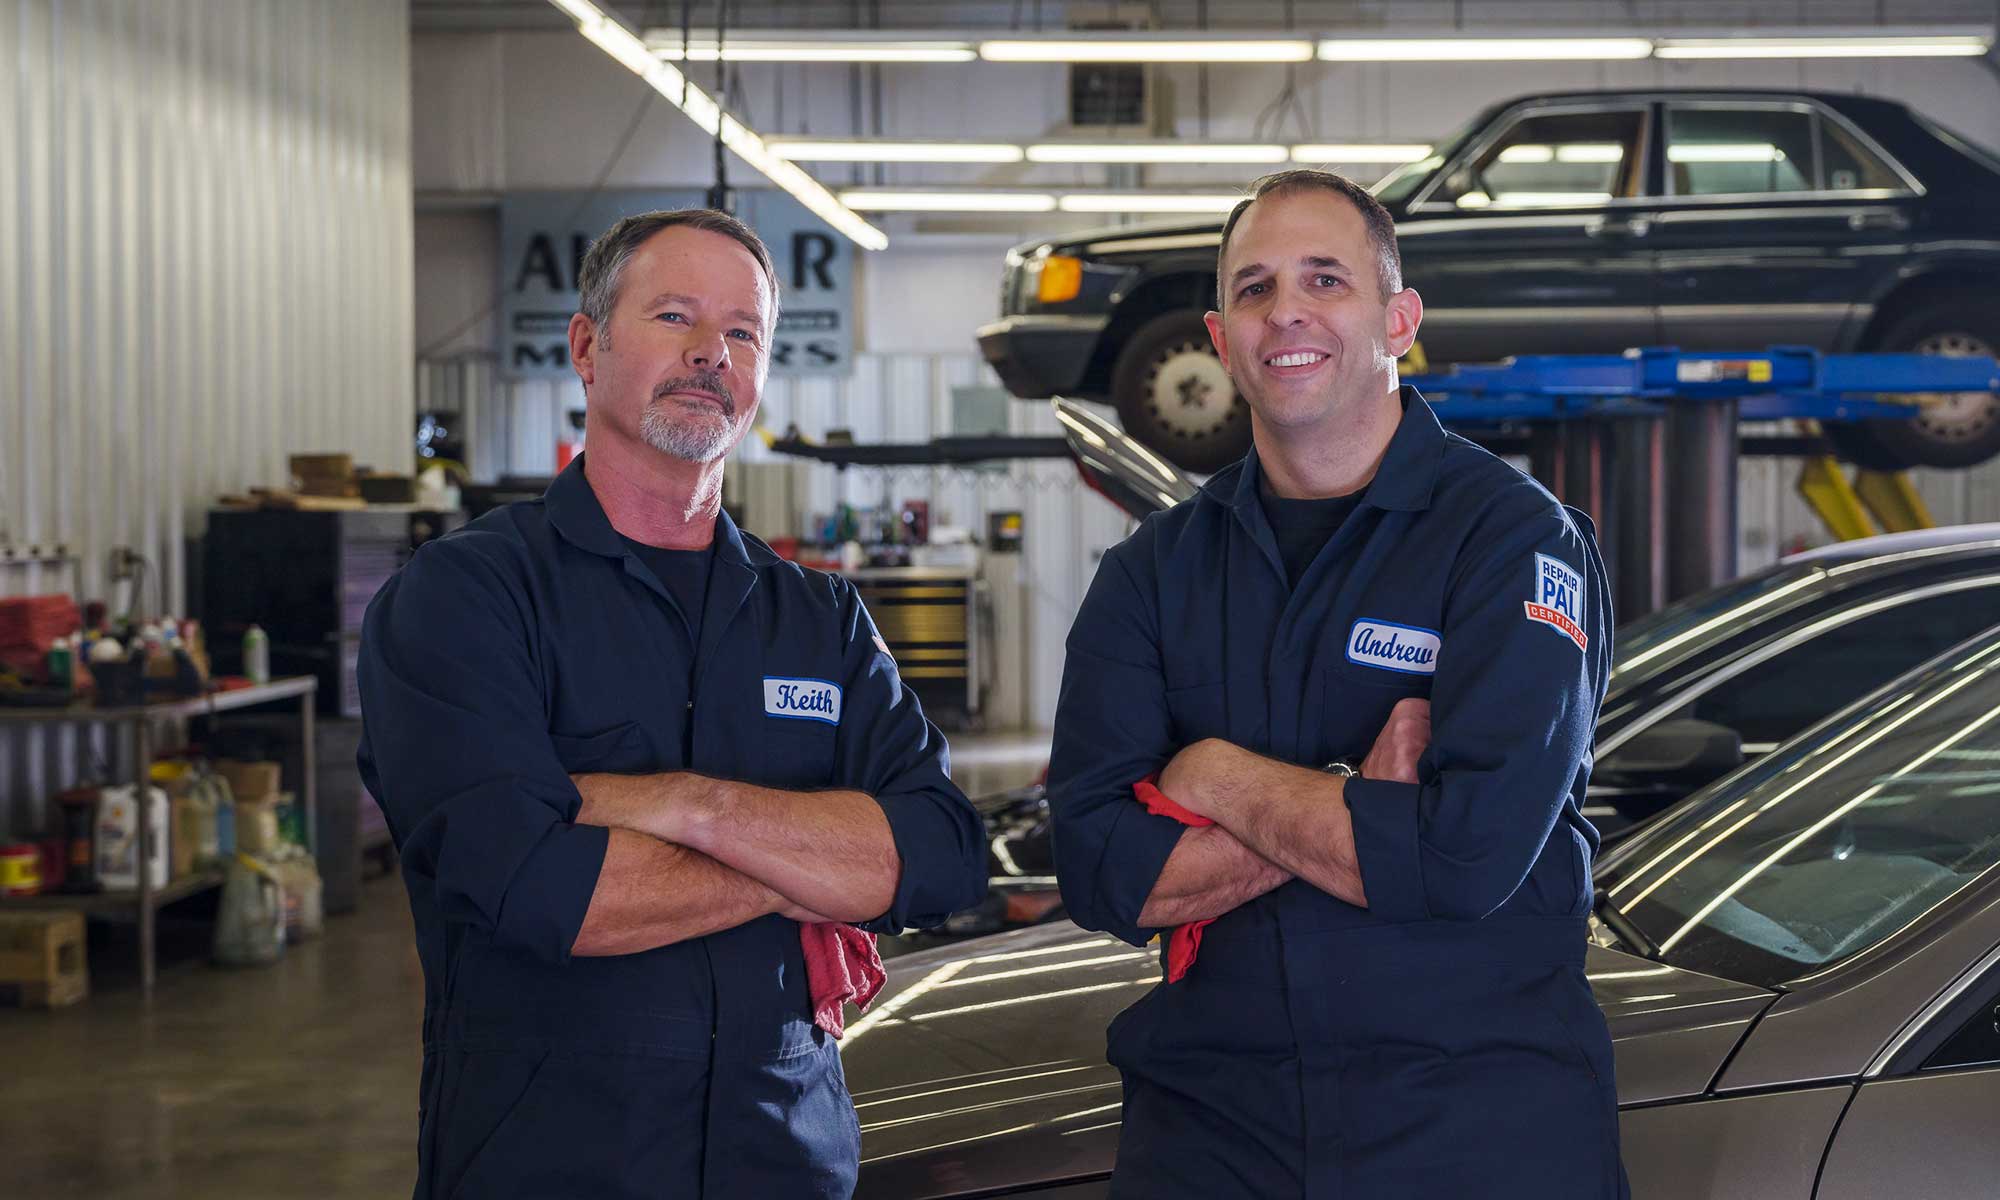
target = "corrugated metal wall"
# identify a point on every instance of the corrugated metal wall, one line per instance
(205, 265)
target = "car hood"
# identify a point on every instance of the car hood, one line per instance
(981, 1065)
(1125, 472)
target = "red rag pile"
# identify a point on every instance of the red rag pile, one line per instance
(842, 964)
(1185, 941)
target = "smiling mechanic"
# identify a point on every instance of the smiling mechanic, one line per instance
(635, 765)
(1390, 1000)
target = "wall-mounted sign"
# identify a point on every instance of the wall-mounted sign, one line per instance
(544, 235)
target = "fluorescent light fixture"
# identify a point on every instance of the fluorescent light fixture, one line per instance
(1864, 46)
(1359, 152)
(579, 10)
(1485, 49)
(1149, 202)
(949, 201)
(812, 150)
(630, 51)
(1143, 49)
(617, 41)
(1153, 152)
(751, 49)
(1722, 152)
(1528, 152)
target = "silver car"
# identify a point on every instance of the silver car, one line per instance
(1800, 966)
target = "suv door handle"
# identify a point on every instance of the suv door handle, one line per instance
(1877, 219)
(1630, 227)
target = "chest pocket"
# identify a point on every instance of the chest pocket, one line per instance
(1362, 697)
(793, 754)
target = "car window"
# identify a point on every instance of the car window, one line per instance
(1778, 698)
(1554, 160)
(1976, 1043)
(1399, 184)
(1849, 166)
(1835, 841)
(1686, 628)
(1713, 151)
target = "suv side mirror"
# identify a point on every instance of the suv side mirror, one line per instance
(1684, 751)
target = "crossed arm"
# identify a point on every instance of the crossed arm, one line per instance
(1273, 822)
(689, 856)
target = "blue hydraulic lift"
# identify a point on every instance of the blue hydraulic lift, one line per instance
(1617, 435)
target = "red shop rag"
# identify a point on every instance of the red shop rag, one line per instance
(842, 964)
(1185, 941)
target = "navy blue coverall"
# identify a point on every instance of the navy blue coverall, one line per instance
(1441, 1042)
(532, 645)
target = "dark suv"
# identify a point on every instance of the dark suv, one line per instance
(1585, 223)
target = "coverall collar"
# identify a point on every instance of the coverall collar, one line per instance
(577, 515)
(1403, 483)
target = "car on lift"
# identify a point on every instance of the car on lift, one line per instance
(1800, 967)
(1697, 688)
(1585, 223)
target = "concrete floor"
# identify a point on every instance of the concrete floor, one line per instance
(297, 1080)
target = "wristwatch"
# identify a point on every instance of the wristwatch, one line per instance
(1341, 768)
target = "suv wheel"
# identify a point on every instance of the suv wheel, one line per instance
(1173, 395)
(1954, 429)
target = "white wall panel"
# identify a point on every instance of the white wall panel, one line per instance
(205, 265)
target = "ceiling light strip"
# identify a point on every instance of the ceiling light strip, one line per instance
(1156, 152)
(1952, 46)
(1482, 49)
(1190, 46)
(1143, 49)
(629, 51)
(934, 201)
(861, 150)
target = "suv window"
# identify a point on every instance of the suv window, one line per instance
(1777, 699)
(1737, 151)
(1554, 160)
(1848, 166)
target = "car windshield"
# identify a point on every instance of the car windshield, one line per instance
(1397, 185)
(1684, 629)
(1833, 843)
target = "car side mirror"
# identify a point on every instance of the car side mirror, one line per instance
(1683, 751)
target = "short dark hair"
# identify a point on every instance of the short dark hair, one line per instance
(1381, 226)
(604, 264)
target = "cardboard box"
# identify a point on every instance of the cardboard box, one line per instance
(42, 958)
(249, 781)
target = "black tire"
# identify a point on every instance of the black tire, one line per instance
(1953, 431)
(1173, 396)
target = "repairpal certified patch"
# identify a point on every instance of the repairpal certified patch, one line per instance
(1393, 647)
(802, 699)
(1558, 599)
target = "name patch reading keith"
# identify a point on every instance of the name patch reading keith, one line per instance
(1558, 599)
(802, 699)
(1393, 647)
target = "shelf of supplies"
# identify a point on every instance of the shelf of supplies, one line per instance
(143, 904)
(109, 904)
(188, 706)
